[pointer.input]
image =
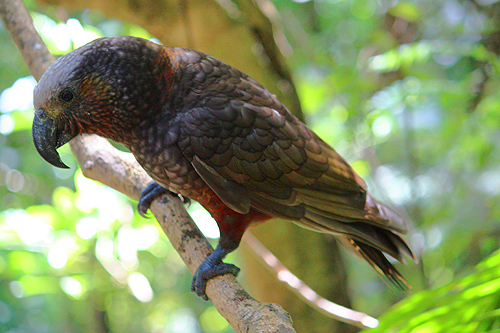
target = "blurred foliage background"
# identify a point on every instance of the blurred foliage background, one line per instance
(405, 90)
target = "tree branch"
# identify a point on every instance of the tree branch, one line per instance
(102, 162)
(303, 291)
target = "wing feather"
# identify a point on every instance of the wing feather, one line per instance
(234, 194)
(254, 153)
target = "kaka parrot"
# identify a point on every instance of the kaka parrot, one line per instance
(206, 131)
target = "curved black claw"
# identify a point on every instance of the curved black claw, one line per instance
(148, 195)
(210, 268)
(202, 276)
(185, 200)
(152, 192)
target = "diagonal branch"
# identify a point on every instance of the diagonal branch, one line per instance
(102, 162)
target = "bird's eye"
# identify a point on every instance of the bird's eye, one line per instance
(66, 95)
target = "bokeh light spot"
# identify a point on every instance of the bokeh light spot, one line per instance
(19, 96)
(140, 287)
(57, 257)
(72, 286)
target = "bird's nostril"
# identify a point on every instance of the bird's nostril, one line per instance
(41, 114)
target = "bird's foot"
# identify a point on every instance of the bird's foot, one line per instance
(207, 271)
(152, 192)
(213, 266)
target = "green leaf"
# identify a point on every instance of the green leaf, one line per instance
(462, 306)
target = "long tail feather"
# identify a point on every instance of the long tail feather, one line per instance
(378, 261)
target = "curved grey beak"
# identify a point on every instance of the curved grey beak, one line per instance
(48, 138)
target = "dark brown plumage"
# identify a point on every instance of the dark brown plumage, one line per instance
(205, 130)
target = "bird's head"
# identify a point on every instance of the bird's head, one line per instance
(104, 88)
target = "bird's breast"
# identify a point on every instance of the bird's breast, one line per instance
(162, 159)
